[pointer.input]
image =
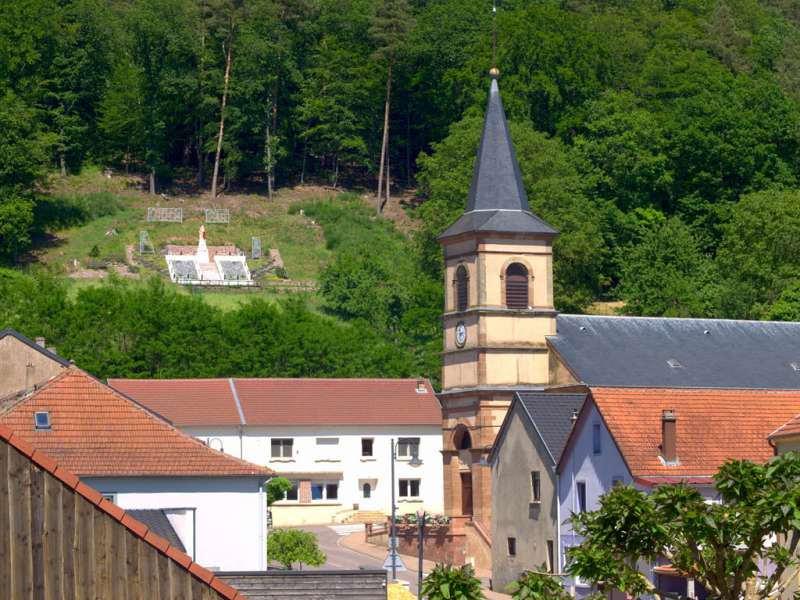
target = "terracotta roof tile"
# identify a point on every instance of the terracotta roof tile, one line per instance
(712, 426)
(196, 402)
(96, 431)
(129, 522)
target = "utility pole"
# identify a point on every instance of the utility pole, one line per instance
(420, 543)
(392, 531)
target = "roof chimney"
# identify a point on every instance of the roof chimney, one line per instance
(574, 417)
(421, 389)
(40, 341)
(669, 438)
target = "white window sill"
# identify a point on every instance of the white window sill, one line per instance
(536, 503)
(282, 460)
(327, 460)
(368, 459)
(322, 503)
(410, 500)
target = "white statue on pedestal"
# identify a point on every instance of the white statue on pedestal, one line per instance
(202, 249)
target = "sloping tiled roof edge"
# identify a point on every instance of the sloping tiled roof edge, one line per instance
(257, 470)
(137, 528)
(789, 429)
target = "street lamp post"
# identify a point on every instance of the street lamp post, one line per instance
(392, 531)
(420, 543)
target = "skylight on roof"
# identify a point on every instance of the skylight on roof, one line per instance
(795, 366)
(41, 420)
(674, 363)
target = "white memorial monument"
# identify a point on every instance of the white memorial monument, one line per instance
(224, 266)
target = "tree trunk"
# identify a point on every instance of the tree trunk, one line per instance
(152, 181)
(225, 83)
(335, 171)
(388, 180)
(303, 168)
(268, 148)
(63, 164)
(200, 161)
(408, 146)
(385, 142)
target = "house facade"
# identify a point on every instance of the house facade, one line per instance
(214, 503)
(650, 437)
(525, 505)
(332, 438)
(25, 363)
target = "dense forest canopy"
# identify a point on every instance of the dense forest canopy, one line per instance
(659, 136)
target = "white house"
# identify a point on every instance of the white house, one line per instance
(331, 437)
(647, 437)
(212, 503)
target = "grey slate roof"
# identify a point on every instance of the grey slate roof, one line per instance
(710, 353)
(551, 414)
(157, 522)
(497, 201)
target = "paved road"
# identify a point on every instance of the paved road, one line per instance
(340, 557)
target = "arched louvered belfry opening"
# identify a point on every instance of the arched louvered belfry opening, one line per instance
(462, 288)
(517, 286)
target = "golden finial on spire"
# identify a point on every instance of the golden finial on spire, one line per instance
(494, 72)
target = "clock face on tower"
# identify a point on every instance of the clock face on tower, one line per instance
(461, 334)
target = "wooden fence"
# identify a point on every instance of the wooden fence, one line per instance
(56, 544)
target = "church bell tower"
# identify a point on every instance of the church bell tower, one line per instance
(498, 311)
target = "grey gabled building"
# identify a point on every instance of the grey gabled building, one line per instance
(524, 483)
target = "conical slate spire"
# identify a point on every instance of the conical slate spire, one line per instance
(497, 201)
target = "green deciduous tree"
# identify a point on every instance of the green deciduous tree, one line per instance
(290, 547)
(719, 545)
(276, 489)
(665, 274)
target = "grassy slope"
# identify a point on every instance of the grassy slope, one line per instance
(300, 242)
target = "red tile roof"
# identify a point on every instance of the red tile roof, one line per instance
(200, 402)
(712, 426)
(96, 431)
(788, 429)
(137, 528)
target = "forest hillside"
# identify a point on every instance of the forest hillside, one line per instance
(660, 137)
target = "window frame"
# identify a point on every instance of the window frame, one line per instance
(511, 546)
(580, 498)
(408, 444)
(515, 284)
(409, 484)
(283, 444)
(462, 288)
(324, 485)
(371, 442)
(597, 439)
(536, 487)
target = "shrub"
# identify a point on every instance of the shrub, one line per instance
(452, 583)
(290, 546)
(538, 586)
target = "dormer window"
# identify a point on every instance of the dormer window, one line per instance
(517, 286)
(462, 288)
(41, 420)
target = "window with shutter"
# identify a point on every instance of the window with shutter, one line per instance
(462, 289)
(517, 286)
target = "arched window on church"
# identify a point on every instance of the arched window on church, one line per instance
(516, 286)
(462, 440)
(462, 288)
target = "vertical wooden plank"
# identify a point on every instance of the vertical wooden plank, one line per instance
(165, 584)
(119, 560)
(37, 532)
(84, 549)
(53, 537)
(20, 526)
(181, 586)
(101, 562)
(150, 570)
(5, 531)
(68, 543)
(133, 580)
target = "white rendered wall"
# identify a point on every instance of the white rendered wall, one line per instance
(597, 471)
(345, 457)
(231, 514)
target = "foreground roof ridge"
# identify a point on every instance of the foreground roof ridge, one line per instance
(43, 461)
